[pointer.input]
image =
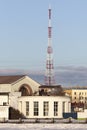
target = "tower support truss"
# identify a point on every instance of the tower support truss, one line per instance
(49, 75)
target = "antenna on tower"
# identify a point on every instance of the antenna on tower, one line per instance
(49, 76)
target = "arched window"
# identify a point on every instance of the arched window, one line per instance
(25, 90)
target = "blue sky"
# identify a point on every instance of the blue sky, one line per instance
(24, 34)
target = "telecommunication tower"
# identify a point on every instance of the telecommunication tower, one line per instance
(49, 75)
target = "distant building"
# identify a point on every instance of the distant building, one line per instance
(68, 92)
(78, 98)
(79, 95)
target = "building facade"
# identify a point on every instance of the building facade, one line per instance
(78, 98)
(16, 86)
(4, 106)
(18, 83)
(23, 95)
(79, 95)
(44, 106)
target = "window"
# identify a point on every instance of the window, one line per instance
(45, 108)
(80, 93)
(75, 97)
(36, 108)
(4, 103)
(80, 98)
(27, 108)
(74, 93)
(55, 108)
(63, 106)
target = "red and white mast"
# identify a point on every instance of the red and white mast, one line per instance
(49, 77)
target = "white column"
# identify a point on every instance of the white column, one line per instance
(60, 109)
(31, 109)
(66, 107)
(51, 110)
(69, 104)
(41, 109)
(20, 106)
(24, 108)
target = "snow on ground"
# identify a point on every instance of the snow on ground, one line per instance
(6, 126)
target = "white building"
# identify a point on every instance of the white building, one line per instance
(4, 106)
(18, 83)
(12, 87)
(16, 86)
(44, 106)
(82, 114)
(24, 96)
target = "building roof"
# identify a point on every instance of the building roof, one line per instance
(52, 86)
(10, 79)
(54, 90)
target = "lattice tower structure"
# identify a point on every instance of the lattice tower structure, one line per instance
(49, 75)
